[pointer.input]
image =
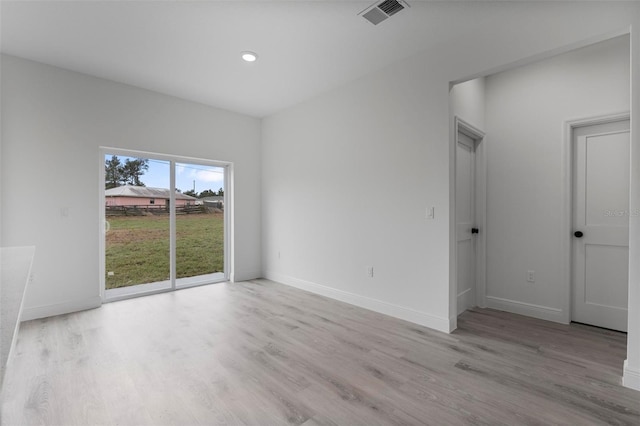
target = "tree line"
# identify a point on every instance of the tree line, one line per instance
(205, 193)
(117, 173)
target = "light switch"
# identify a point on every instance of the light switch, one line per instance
(431, 212)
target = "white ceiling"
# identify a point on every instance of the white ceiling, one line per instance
(192, 49)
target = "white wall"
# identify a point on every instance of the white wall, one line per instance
(468, 102)
(526, 109)
(53, 122)
(632, 364)
(347, 176)
(346, 181)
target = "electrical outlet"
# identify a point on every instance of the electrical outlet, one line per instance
(531, 276)
(370, 271)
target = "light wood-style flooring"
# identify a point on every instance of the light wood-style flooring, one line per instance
(261, 353)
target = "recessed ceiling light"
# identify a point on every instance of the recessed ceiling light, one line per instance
(249, 56)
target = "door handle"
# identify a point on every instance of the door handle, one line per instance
(578, 234)
(474, 230)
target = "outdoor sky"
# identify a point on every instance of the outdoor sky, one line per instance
(205, 177)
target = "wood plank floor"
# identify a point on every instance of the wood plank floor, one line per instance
(261, 353)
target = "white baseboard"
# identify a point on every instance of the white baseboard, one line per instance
(245, 275)
(36, 312)
(630, 377)
(465, 300)
(527, 309)
(400, 312)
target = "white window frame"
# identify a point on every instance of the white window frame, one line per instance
(227, 219)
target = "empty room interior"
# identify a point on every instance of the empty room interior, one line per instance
(319, 212)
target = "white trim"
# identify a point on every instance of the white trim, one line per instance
(159, 287)
(102, 223)
(162, 157)
(172, 224)
(630, 377)
(246, 275)
(45, 311)
(400, 312)
(464, 300)
(198, 280)
(527, 309)
(469, 129)
(462, 126)
(31, 252)
(229, 223)
(568, 129)
(147, 289)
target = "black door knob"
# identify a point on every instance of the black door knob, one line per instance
(474, 230)
(578, 234)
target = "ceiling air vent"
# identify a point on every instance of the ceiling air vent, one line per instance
(378, 12)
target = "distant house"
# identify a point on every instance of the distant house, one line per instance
(143, 196)
(216, 201)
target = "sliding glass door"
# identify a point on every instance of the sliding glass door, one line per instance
(164, 223)
(200, 224)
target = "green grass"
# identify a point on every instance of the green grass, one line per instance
(137, 248)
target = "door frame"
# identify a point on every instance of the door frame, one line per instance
(480, 200)
(567, 223)
(228, 260)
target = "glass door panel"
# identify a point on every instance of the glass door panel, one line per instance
(199, 224)
(137, 237)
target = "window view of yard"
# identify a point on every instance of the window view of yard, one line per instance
(138, 203)
(137, 247)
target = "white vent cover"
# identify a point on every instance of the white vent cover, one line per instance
(378, 12)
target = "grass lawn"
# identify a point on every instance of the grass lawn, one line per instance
(137, 248)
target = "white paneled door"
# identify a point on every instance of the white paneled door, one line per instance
(465, 222)
(601, 225)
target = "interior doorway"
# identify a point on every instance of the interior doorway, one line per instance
(600, 219)
(469, 208)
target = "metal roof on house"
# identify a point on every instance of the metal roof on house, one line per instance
(144, 192)
(213, 198)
